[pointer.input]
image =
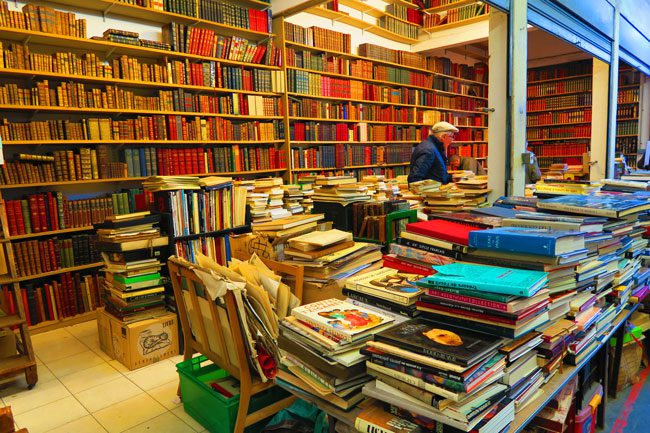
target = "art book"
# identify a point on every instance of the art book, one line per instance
(494, 279)
(341, 318)
(611, 206)
(526, 240)
(388, 284)
(440, 341)
(450, 231)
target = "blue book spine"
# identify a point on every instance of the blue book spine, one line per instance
(486, 240)
(143, 162)
(136, 162)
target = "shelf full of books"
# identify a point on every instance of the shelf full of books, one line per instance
(360, 114)
(627, 114)
(558, 123)
(98, 114)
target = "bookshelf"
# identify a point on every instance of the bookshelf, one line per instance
(558, 118)
(627, 115)
(337, 122)
(214, 101)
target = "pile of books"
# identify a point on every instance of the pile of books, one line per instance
(380, 188)
(265, 197)
(339, 189)
(319, 346)
(133, 288)
(297, 198)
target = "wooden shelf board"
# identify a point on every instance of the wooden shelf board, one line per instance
(319, 119)
(10, 107)
(9, 321)
(360, 24)
(48, 274)
(625, 119)
(129, 83)
(101, 46)
(459, 78)
(350, 167)
(577, 107)
(559, 79)
(456, 24)
(141, 142)
(404, 3)
(49, 233)
(550, 125)
(550, 95)
(444, 92)
(372, 11)
(628, 103)
(559, 139)
(453, 5)
(51, 325)
(468, 142)
(355, 142)
(630, 86)
(560, 156)
(628, 135)
(15, 363)
(162, 17)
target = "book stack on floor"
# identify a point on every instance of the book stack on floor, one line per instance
(320, 345)
(339, 189)
(281, 230)
(380, 188)
(265, 197)
(438, 376)
(475, 190)
(329, 258)
(296, 199)
(130, 246)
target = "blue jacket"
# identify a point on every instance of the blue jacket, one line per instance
(428, 161)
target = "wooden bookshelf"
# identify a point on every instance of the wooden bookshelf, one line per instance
(451, 5)
(457, 24)
(561, 109)
(51, 325)
(557, 124)
(49, 274)
(48, 233)
(627, 117)
(121, 142)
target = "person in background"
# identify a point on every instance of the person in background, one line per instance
(466, 163)
(429, 158)
(533, 173)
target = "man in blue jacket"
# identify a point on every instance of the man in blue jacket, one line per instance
(429, 158)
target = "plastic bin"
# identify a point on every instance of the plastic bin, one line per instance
(212, 410)
(586, 418)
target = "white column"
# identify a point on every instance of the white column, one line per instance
(518, 80)
(599, 111)
(497, 98)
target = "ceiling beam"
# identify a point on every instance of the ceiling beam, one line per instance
(301, 7)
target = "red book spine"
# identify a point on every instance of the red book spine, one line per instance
(23, 295)
(33, 214)
(42, 212)
(20, 218)
(10, 211)
(57, 299)
(48, 299)
(54, 214)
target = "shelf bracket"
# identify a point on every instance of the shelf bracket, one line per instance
(26, 41)
(109, 53)
(107, 10)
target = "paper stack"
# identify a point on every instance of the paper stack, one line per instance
(339, 189)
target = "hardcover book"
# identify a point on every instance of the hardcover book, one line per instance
(611, 206)
(442, 229)
(528, 240)
(441, 341)
(388, 284)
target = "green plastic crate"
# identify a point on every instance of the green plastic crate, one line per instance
(212, 410)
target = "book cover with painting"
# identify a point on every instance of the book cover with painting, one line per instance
(441, 341)
(341, 318)
(388, 284)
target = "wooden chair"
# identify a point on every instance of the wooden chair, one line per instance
(216, 333)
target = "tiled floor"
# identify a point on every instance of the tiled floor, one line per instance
(80, 389)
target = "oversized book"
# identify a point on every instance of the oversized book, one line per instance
(441, 341)
(342, 319)
(611, 206)
(508, 281)
(388, 284)
(526, 240)
(450, 231)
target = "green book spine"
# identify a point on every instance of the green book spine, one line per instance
(124, 202)
(27, 219)
(139, 278)
(116, 204)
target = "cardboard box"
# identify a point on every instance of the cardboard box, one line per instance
(140, 343)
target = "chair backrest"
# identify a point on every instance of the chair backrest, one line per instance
(210, 327)
(296, 271)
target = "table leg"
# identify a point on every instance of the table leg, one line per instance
(603, 372)
(331, 424)
(620, 334)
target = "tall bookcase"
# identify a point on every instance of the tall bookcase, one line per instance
(361, 114)
(627, 115)
(178, 107)
(559, 100)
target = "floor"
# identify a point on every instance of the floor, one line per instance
(629, 412)
(80, 389)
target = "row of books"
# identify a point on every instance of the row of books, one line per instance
(170, 127)
(360, 132)
(151, 161)
(472, 135)
(627, 144)
(70, 94)
(628, 95)
(405, 13)
(455, 15)
(549, 162)
(572, 116)
(326, 62)
(567, 148)
(559, 132)
(565, 70)
(38, 213)
(215, 247)
(455, 118)
(318, 37)
(627, 128)
(234, 15)
(559, 87)
(349, 111)
(67, 295)
(42, 19)
(339, 155)
(37, 257)
(183, 7)
(357, 173)
(476, 150)
(398, 26)
(385, 54)
(627, 111)
(553, 102)
(450, 85)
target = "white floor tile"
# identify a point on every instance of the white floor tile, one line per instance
(45, 338)
(129, 413)
(90, 377)
(75, 363)
(83, 329)
(107, 394)
(119, 366)
(23, 400)
(153, 375)
(180, 412)
(52, 415)
(166, 394)
(87, 424)
(54, 350)
(165, 423)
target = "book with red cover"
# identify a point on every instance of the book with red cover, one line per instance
(440, 229)
(393, 261)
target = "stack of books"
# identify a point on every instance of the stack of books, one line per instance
(133, 288)
(439, 376)
(281, 230)
(296, 199)
(475, 190)
(319, 347)
(265, 199)
(339, 189)
(381, 189)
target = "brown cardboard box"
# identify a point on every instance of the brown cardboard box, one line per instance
(104, 331)
(140, 343)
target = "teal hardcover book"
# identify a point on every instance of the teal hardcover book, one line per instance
(519, 282)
